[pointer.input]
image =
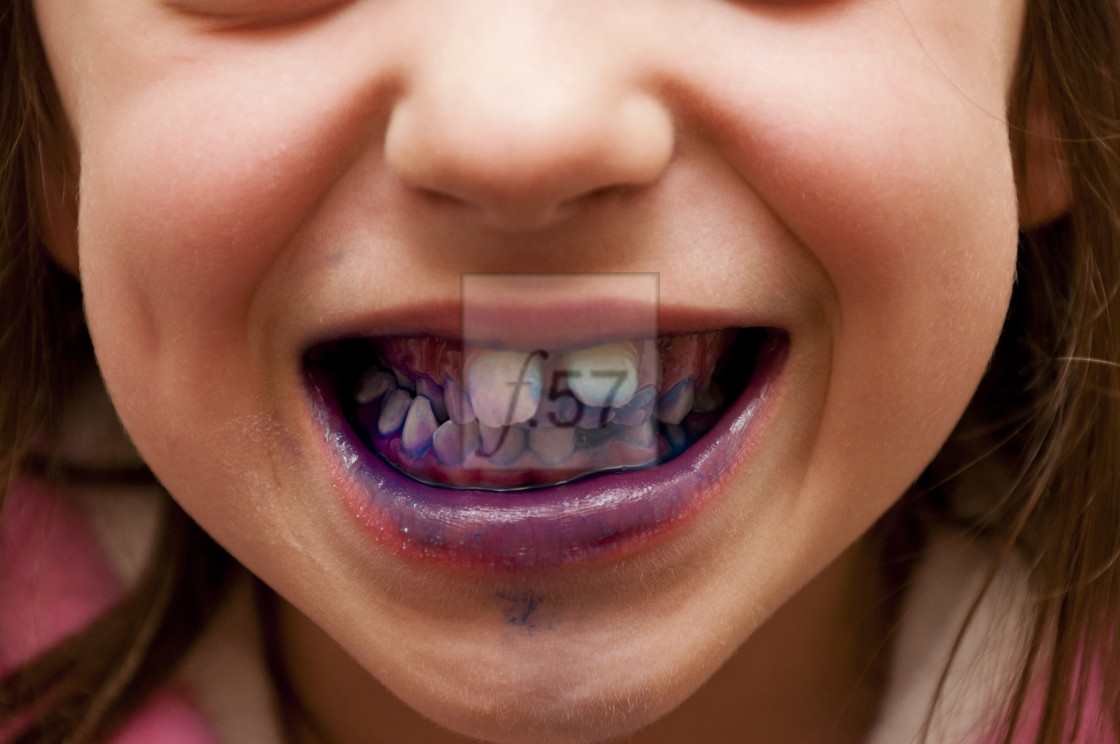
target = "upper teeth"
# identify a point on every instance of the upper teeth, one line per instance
(504, 386)
(600, 405)
(605, 375)
(394, 408)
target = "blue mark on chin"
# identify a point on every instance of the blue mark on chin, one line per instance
(522, 610)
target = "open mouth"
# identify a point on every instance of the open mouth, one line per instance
(513, 457)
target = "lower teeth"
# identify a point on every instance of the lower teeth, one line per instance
(430, 431)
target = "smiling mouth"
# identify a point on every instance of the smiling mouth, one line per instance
(514, 458)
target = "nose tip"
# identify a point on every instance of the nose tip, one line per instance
(523, 155)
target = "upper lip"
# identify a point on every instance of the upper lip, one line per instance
(553, 325)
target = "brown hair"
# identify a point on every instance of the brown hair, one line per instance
(87, 685)
(1048, 410)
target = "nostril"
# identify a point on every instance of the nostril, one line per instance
(526, 164)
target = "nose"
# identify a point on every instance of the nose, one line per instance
(519, 118)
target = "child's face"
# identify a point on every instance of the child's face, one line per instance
(258, 178)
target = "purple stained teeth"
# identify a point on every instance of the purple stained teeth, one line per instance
(501, 445)
(394, 408)
(447, 443)
(560, 409)
(639, 409)
(593, 418)
(677, 436)
(426, 387)
(419, 426)
(677, 402)
(643, 435)
(526, 411)
(457, 403)
(553, 446)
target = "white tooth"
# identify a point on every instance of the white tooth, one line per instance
(419, 426)
(394, 408)
(373, 384)
(554, 445)
(605, 375)
(675, 405)
(504, 387)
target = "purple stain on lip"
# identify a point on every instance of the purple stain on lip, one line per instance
(546, 527)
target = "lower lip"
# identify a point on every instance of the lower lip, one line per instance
(601, 517)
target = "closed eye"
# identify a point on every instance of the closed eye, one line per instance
(255, 13)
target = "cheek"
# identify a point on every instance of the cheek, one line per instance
(182, 231)
(187, 211)
(901, 191)
(915, 226)
(913, 220)
(192, 191)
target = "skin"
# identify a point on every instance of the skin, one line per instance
(254, 175)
